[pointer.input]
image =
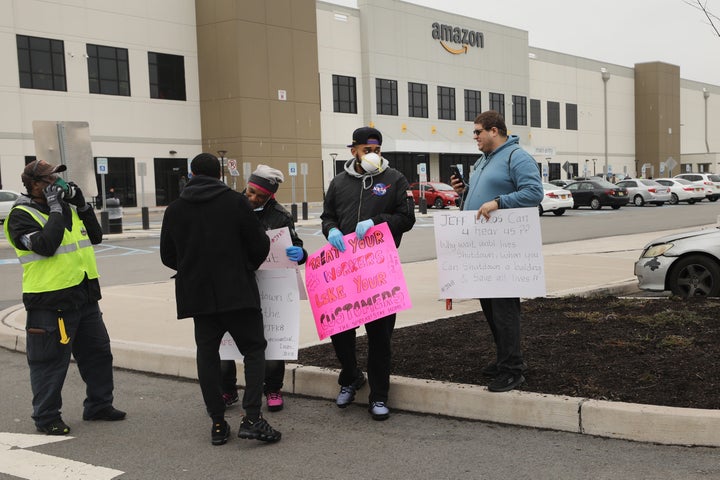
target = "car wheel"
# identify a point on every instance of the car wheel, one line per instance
(695, 276)
(713, 198)
(674, 199)
(638, 201)
(540, 210)
(559, 211)
(576, 206)
(595, 203)
(691, 201)
(438, 203)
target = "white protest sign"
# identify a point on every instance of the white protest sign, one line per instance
(280, 239)
(496, 258)
(279, 299)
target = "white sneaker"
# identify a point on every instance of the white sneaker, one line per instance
(379, 411)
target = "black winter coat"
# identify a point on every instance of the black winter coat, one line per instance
(215, 242)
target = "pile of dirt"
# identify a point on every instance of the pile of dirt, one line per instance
(659, 351)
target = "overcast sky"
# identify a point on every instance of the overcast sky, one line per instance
(623, 32)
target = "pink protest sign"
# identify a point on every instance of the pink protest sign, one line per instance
(363, 283)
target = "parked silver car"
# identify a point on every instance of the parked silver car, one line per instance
(682, 190)
(687, 264)
(7, 200)
(643, 190)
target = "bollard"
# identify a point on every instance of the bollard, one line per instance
(145, 211)
(305, 210)
(422, 205)
(114, 211)
(105, 222)
(293, 210)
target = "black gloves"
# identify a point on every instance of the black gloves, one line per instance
(77, 197)
(53, 194)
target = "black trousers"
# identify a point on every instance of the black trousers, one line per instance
(274, 375)
(379, 335)
(246, 328)
(48, 358)
(503, 317)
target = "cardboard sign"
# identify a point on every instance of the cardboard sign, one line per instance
(279, 298)
(496, 258)
(363, 283)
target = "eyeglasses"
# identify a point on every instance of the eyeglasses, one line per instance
(477, 132)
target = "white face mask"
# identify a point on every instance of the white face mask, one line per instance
(371, 163)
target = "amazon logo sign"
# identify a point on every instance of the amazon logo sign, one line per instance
(460, 36)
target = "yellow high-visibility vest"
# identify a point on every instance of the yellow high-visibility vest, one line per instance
(74, 258)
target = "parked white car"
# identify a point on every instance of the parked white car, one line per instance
(709, 181)
(7, 199)
(687, 264)
(556, 199)
(643, 190)
(682, 190)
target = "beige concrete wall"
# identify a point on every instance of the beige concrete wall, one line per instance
(657, 114)
(249, 52)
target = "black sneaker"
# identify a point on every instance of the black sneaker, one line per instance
(220, 433)
(504, 382)
(111, 414)
(490, 370)
(260, 429)
(56, 427)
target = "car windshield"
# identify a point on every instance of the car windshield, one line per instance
(714, 178)
(441, 186)
(649, 183)
(683, 181)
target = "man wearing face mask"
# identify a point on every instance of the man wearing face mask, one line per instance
(260, 191)
(368, 192)
(53, 231)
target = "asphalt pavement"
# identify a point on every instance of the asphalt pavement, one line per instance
(147, 337)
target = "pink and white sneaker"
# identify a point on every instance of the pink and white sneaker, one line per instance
(275, 401)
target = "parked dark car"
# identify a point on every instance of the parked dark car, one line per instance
(597, 194)
(437, 194)
(560, 183)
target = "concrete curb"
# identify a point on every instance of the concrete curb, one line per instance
(637, 422)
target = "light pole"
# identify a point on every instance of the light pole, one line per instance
(594, 174)
(334, 156)
(222, 163)
(706, 95)
(605, 77)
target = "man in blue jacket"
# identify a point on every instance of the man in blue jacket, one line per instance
(505, 176)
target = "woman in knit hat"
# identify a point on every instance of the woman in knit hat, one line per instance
(260, 191)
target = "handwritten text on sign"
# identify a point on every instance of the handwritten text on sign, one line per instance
(279, 300)
(354, 287)
(496, 258)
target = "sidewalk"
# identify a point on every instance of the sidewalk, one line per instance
(147, 337)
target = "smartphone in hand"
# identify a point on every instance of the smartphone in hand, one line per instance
(457, 174)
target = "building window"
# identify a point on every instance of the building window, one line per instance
(344, 94)
(472, 105)
(497, 103)
(535, 114)
(387, 96)
(553, 114)
(519, 109)
(446, 103)
(417, 100)
(108, 70)
(41, 63)
(167, 76)
(571, 122)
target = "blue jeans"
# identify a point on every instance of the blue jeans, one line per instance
(503, 317)
(49, 359)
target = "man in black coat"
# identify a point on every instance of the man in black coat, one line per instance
(214, 241)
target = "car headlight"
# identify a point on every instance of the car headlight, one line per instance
(657, 250)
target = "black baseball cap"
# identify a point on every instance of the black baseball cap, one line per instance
(365, 135)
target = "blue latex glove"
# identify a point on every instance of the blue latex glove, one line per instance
(335, 237)
(363, 227)
(294, 253)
